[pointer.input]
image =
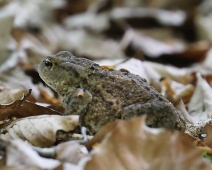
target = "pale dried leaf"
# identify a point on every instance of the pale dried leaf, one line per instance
(71, 152)
(203, 25)
(20, 153)
(208, 60)
(200, 106)
(39, 130)
(30, 50)
(134, 66)
(10, 95)
(181, 107)
(174, 18)
(175, 91)
(133, 145)
(151, 47)
(11, 79)
(25, 10)
(83, 43)
(94, 46)
(88, 20)
(180, 75)
(6, 22)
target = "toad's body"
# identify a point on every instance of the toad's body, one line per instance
(101, 96)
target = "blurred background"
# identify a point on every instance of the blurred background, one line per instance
(177, 32)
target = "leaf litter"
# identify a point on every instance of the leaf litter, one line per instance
(165, 42)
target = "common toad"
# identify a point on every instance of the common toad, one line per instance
(100, 96)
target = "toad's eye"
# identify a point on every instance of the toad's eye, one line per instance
(47, 63)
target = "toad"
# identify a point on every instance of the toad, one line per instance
(101, 96)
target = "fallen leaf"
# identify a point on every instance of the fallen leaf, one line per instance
(33, 109)
(6, 21)
(20, 167)
(71, 152)
(134, 66)
(10, 95)
(88, 20)
(200, 106)
(175, 91)
(100, 135)
(83, 43)
(208, 139)
(165, 71)
(11, 80)
(151, 47)
(39, 130)
(24, 11)
(9, 110)
(28, 156)
(165, 17)
(133, 145)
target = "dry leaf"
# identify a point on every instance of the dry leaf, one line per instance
(178, 74)
(33, 109)
(20, 153)
(71, 152)
(99, 136)
(83, 43)
(208, 139)
(151, 47)
(11, 79)
(200, 106)
(88, 20)
(20, 167)
(6, 22)
(133, 145)
(9, 110)
(165, 17)
(24, 11)
(134, 66)
(13, 104)
(39, 130)
(175, 91)
(10, 95)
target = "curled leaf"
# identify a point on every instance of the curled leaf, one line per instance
(39, 130)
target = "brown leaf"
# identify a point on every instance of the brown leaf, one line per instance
(13, 104)
(33, 109)
(102, 133)
(8, 110)
(133, 145)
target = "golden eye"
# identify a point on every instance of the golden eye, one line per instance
(47, 63)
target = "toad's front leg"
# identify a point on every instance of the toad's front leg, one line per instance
(76, 102)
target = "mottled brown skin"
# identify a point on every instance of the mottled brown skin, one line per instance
(101, 96)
